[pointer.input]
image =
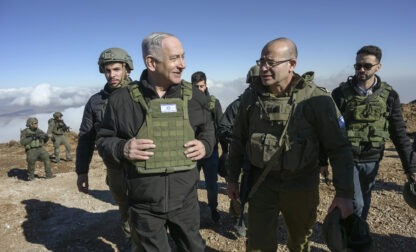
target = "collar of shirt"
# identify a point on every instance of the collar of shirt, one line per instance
(369, 91)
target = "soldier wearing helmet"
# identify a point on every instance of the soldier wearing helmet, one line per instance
(33, 139)
(115, 64)
(56, 130)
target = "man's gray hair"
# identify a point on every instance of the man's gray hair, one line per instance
(152, 45)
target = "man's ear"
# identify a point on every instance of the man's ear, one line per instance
(378, 67)
(292, 65)
(150, 63)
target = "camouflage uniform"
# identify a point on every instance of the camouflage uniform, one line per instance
(56, 130)
(33, 139)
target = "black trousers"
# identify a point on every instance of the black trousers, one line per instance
(149, 229)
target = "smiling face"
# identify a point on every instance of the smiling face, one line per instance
(168, 70)
(279, 74)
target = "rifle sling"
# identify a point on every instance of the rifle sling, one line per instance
(279, 152)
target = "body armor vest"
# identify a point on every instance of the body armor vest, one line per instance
(34, 143)
(366, 116)
(212, 100)
(280, 136)
(167, 124)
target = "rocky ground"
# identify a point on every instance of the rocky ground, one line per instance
(51, 215)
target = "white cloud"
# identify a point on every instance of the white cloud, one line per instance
(17, 104)
(46, 95)
(11, 129)
(226, 92)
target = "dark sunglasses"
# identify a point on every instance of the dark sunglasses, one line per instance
(367, 66)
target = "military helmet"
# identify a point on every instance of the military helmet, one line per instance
(30, 121)
(409, 193)
(350, 234)
(56, 115)
(253, 72)
(112, 55)
(333, 232)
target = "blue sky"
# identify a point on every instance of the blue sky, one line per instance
(58, 42)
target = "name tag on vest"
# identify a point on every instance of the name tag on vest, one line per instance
(168, 108)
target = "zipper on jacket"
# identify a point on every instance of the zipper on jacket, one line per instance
(166, 193)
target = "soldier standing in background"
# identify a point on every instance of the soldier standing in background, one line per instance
(33, 139)
(372, 113)
(210, 164)
(225, 130)
(116, 65)
(56, 130)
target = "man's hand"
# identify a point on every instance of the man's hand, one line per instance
(82, 182)
(196, 150)
(232, 191)
(135, 149)
(344, 204)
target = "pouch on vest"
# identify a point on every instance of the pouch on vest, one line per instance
(34, 144)
(369, 112)
(303, 150)
(263, 150)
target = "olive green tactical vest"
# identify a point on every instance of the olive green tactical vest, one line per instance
(212, 103)
(34, 143)
(55, 126)
(280, 136)
(167, 124)
(366, 116)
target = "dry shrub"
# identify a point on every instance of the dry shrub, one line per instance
(12, 143)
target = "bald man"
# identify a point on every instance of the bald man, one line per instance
(283, 121)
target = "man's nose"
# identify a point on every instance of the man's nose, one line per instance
(182, 63)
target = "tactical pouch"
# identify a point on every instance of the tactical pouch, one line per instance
(302, 151)
(34, 144)
(368, 112)
(263, 151)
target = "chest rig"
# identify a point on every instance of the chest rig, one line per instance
(277, 130)
(366, 116)
(167, 124)
(36, 143)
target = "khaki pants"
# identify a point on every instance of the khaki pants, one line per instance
(299, 213)
(37, 154)
(61, 140)
(114, 181)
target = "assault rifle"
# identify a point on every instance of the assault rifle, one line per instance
(63, 127)
(36, 136)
